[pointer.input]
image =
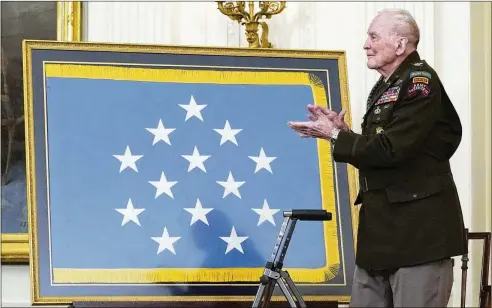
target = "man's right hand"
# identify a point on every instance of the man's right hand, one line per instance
(338, 119)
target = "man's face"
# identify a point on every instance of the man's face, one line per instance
(380, 46)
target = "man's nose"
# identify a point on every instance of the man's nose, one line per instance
(366, 45)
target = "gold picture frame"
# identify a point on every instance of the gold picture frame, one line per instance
(15, 246)
(174, 286)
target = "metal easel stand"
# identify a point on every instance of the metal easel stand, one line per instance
(273, 273)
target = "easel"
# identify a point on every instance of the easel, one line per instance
(273, 272)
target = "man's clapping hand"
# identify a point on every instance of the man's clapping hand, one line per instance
(338, 119)
(324, 123)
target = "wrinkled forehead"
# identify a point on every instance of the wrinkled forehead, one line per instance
(381, 25)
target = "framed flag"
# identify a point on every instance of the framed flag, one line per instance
(162, 172)
(45, 20)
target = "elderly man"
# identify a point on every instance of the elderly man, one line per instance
(410, 222)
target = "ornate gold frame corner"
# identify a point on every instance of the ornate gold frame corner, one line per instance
(15, 246)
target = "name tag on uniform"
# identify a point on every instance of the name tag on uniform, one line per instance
(391, 95)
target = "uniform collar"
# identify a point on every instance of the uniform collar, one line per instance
(409, 60)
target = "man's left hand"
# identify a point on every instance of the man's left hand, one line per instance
(322, 127)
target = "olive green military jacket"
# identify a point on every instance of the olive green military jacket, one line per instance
(410, 212)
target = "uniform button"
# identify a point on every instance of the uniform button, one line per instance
(415, 195)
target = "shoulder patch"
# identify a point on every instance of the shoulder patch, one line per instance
(390, 95)
(415, 88)
(420, 80)
(419, 83)
(420, 73)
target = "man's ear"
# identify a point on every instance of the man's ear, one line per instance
(401, 45)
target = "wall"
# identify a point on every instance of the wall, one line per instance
(310, 25)
(480, 102)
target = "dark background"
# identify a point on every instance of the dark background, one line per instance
(19, 20)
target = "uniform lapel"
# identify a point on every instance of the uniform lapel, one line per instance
(373, 92)
(381, 89)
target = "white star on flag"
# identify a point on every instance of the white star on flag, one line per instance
(166, 242)
(266, 213)
(128, 160)
(130, 213)
(233, 241)
(228, 134)
(230, 186)
(262, 161)
(198, 212)
(192, 109)
(161, 133)
(196, 160)
(163, 186)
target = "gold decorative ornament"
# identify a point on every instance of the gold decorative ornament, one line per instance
(251, 20)
(69, 21)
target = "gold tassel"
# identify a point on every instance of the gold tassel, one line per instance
(131, 73)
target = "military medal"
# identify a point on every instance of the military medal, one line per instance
(379, 130)
(377, 111)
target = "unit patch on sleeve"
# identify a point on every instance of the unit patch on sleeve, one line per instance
(420, 83)
(420, 80)
(420, 73)
(418, 87)
(391, 95)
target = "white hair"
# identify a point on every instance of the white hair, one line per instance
(404, 24)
